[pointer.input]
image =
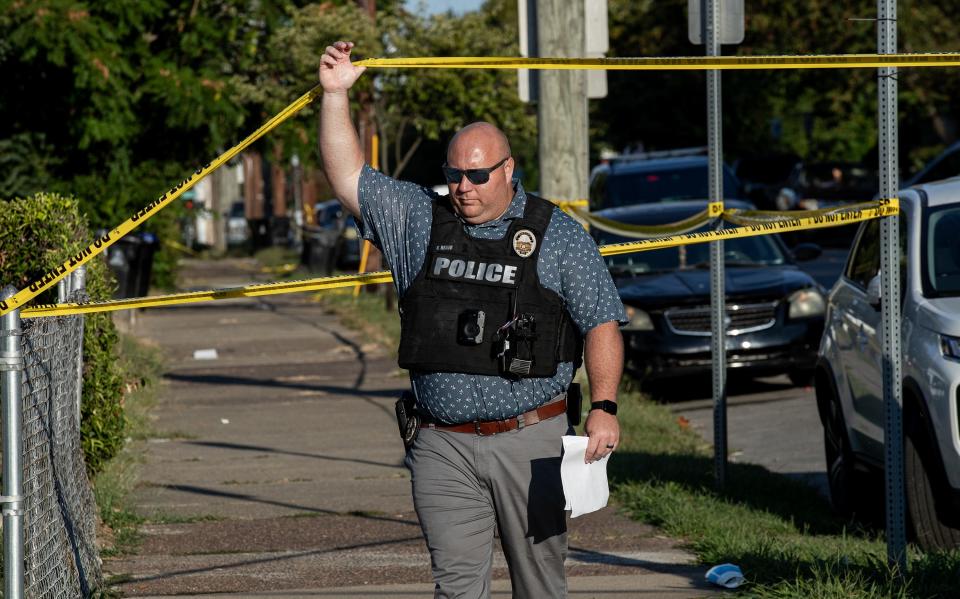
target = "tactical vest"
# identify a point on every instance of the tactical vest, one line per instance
(462, 276)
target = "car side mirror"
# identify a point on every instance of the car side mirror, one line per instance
(873, 292)
(804, 252)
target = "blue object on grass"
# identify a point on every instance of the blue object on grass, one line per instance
(726, 575)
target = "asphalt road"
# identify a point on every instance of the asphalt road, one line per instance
(827, 267)
(769, 422)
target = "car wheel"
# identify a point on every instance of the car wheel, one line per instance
(846, 481)
(922, 482)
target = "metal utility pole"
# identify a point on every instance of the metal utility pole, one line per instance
(11, 386)
(562, 109)
(718, 339)
(890, 291)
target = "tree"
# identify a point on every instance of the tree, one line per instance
(288, 67)
(112, 101)
(412, 106)
(128, 97)
(431, 104)
(822, 114)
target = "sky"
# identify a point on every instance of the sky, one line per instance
(435, 6)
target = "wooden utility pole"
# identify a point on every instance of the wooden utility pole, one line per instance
(562, 109)
(223, 190)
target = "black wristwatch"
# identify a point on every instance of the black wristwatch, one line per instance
(610, 407)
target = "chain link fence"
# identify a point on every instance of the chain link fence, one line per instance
(59, 512)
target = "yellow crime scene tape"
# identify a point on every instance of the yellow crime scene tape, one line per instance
(878, 209)
(567, 205)
(321, 284)
(887, 207)
(713, 211)
(753, 217)
(680, 63)
(657, 63)
(50, 278)
(180, 247)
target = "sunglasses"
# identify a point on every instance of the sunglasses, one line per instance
(477, 176)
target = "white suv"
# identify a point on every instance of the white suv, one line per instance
(849, 380)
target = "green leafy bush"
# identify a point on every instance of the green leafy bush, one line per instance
(37, 234)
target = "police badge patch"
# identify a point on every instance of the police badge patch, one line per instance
(524, 243)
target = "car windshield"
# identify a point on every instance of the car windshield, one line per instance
(668, 184)
(742, 251)
(942, 249)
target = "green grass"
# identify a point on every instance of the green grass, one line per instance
(366, 312)
(166, 518)
(276, 256)
(779, 531)
(142, 366)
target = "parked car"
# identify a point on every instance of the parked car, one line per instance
(238, 230)
(774, 309)
(944, 166)
(331, 216)
(655, 177)
(849, 380)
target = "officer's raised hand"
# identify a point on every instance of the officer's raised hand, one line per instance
(337, 73)
(339, 145)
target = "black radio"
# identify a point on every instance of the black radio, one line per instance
(515, 345)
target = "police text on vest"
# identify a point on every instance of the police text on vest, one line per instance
(476, 271)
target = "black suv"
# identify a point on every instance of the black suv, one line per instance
(655, 177)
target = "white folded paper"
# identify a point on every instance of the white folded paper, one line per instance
(584, 485)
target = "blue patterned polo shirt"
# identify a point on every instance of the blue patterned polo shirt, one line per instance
(396, 217)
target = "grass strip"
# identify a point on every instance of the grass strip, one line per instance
(781, 532)
(142, 368)
(366, 313)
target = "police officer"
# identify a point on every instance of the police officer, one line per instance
(499, 293)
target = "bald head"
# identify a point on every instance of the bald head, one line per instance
(481, 135)
(481, 147)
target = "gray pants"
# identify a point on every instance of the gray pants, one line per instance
(465, 486)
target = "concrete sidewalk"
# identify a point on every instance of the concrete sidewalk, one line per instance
(276, 470)
(625, 586)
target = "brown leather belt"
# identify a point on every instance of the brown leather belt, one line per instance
(492, 427)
